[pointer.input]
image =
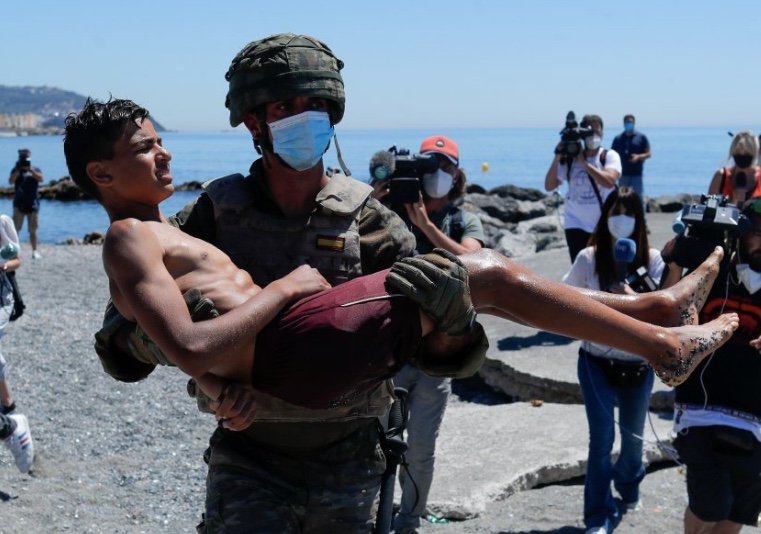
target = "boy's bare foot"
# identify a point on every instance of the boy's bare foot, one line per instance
(690, 293)
(693, 344)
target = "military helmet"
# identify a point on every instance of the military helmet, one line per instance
(280, 67)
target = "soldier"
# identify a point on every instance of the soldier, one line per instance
(293, 470)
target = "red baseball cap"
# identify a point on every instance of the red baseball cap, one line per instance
(438, 144)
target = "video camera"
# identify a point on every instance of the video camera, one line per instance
(403, 171)
(24, 162)
(570, 139)
(703, 226)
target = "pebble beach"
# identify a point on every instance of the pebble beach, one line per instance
(127, 458)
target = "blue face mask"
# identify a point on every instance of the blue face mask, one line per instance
(628, 127)
(301, 140)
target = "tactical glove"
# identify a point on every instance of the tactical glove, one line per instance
(438, 283)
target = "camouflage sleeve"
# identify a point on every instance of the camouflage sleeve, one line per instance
(127, 353)
(196, 218)
(384, 238)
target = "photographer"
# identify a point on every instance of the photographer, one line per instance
(26, 180)
(436, 222)
(742, 180)
(591, 176)
(717, 411)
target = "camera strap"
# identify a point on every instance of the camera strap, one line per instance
(603, 157)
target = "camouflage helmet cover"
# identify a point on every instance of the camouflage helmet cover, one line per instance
(280, 67)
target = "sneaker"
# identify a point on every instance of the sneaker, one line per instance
(8, 410)
(36, 255)
(633, 506)
(596, 530)
(20, 443)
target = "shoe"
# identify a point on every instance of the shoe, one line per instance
(36, 255)
(633, 506)
(596, 530)
(8, 410)
(20, 443)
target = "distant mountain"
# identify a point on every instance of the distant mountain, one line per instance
(50, 104)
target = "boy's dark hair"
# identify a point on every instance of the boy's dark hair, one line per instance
(629, 117)
(91, 135)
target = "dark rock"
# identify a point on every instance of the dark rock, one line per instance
(93, 238)
(475, 188)
(670, 204)
(518, 193)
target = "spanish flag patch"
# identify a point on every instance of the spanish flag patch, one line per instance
(331, 242)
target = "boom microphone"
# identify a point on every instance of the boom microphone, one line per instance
(624, 252)
(382, 165)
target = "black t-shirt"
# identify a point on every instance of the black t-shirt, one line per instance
(731, 377)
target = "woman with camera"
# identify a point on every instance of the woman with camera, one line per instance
(740, 181)
(608, 376)
(436, 222)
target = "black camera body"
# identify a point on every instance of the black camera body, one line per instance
(405, 184)
(710, 223)
(641, 281)
(571, 137)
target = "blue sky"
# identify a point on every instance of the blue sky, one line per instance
(414, 63)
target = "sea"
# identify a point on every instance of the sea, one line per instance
(683, 161)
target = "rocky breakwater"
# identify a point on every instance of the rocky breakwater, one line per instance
(527, 225)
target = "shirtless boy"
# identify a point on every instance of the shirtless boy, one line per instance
(114, 153)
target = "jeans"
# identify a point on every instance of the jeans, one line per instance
(427, 401)
(600, 396)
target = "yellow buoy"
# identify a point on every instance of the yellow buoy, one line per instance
(485, 167)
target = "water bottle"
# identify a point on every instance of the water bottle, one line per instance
(9, 251)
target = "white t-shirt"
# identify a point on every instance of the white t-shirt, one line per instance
(582, 209)
(582, 274)
(7, 232)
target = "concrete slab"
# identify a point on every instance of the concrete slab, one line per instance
(487, 453)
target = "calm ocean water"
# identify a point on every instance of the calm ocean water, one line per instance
(684, 159)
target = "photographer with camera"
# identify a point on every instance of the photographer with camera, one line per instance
(437, 182)
(609, 377)
(26, 180)
(591, 174)
(717, 410)
(742, 180)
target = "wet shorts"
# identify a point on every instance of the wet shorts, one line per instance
(723, 473)
(337, 345)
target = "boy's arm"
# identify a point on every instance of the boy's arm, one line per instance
(134, 261)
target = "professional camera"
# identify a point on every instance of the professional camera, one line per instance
(641, 281)
(23, 160)
(403, 170)
(703, 226)
(570, 139)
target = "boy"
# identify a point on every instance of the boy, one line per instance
(114, 153)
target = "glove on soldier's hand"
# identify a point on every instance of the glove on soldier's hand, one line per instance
(438, 283)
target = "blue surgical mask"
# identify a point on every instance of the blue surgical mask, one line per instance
(628, 127)
(301, 140)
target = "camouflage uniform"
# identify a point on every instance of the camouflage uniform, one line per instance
(298, 471)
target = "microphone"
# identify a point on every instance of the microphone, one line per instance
(382, 165)
(624, 252)
(678, 226)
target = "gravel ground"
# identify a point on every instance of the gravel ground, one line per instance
(126, 458)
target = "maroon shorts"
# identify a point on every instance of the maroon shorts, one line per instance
(338, 344)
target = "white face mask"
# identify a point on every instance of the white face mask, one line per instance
(593, 143)
(437, 184)
(621, 226)
(748, 277)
